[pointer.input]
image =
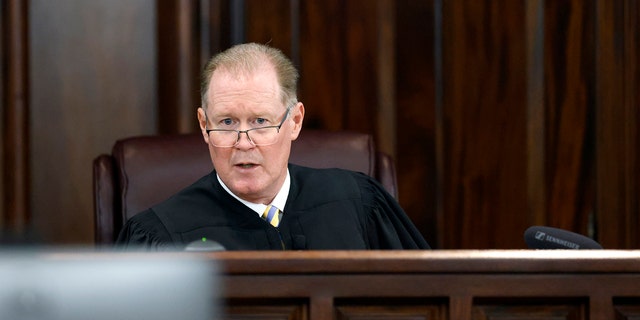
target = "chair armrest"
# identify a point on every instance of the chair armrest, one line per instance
(104, 184)
(386, 173)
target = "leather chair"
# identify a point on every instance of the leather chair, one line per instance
(142, 171)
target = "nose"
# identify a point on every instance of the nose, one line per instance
(244, 143)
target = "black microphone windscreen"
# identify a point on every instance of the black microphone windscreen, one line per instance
(541, 237)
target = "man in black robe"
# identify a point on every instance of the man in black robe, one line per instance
(254, 199)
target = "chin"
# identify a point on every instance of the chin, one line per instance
(247, 189)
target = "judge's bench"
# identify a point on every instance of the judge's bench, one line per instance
(323, 285)
(457, 285)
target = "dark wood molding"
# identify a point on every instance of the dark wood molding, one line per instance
(16, 115)
(179, 65)
(386, 119)
(441, 284)
(536, 183)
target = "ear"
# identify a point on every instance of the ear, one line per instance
(202, 121)
(297, 115)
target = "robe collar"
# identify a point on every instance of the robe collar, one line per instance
(279, 201)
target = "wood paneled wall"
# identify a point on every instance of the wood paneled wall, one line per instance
(499, 114)
(617, 115)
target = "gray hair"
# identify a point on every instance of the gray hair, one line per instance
(247, 58)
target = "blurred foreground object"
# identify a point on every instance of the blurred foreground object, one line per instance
(51, 286)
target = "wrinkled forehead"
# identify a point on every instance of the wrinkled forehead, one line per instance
(259, 87)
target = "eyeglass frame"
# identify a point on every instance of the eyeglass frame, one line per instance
(286, 115)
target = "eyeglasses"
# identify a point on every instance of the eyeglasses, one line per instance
(262, 136)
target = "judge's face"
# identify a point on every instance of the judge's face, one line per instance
(253, 172)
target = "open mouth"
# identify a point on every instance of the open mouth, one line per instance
(246, 165)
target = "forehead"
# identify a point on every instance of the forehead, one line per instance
(229, 89)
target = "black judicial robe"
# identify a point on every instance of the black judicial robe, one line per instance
(327, 209)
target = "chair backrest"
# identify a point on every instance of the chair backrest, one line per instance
(143, 171)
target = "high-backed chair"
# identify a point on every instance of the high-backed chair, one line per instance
(143, 171)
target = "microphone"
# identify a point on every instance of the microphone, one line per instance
(204, 245)
(540, 237)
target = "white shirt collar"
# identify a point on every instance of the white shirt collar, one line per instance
(279, 201)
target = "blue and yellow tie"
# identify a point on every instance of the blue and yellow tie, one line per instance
(272, 215)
